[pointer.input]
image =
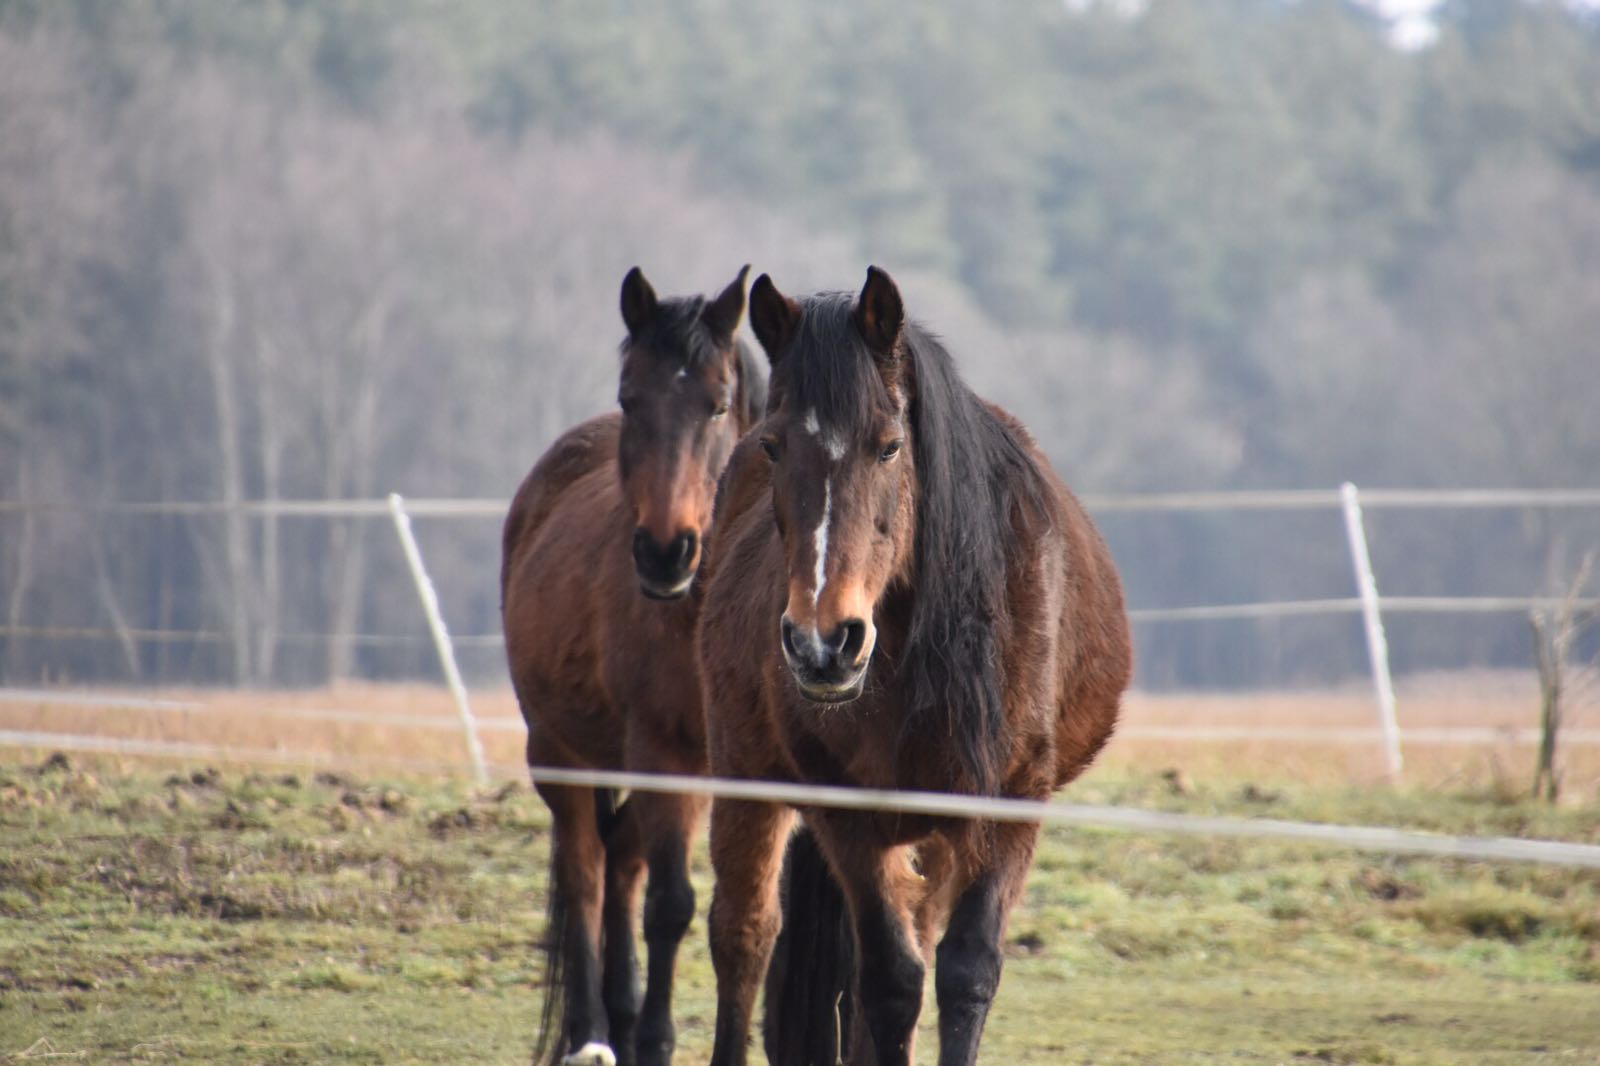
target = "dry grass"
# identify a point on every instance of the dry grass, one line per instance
(1503, 705)
(420, 726)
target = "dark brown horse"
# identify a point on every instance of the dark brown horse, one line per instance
(602, 544)
(900, 594)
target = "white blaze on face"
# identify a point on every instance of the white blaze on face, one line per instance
(832, 443)
(820, 542)
(834, 446)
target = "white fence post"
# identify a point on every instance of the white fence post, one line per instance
(441, 635)
(1377, 645)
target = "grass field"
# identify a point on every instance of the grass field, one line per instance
(185, 913)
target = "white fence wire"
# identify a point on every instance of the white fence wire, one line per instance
(1368, 602)
(1347, 500)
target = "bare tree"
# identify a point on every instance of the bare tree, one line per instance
(54, 229)
(1555, 629)
(385, 301)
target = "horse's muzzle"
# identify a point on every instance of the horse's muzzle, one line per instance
(831, 669)
(665, 570)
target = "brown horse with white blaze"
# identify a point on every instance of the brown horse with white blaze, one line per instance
(601, 548)
(900, 594)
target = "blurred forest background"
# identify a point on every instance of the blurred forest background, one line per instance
(275, 249)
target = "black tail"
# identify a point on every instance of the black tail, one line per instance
(551, 1043)
(554, 1016)
(810, 995)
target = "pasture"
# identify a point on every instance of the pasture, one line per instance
(287, 913)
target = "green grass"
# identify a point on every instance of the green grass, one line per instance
(244, 917)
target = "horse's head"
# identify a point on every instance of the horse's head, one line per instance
(844, 483)
(679, 395)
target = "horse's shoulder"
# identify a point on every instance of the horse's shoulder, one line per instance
(581, 450)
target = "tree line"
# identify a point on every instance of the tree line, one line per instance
(256, 249)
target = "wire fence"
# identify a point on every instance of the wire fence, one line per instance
(1367, 603)
(1176, 502)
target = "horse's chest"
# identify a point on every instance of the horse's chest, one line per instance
(653, 666)
(853, 745)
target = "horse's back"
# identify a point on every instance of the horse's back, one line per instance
(556, 569)
(581, 450)
(1093, 652)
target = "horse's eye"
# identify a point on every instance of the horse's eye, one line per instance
(626, 403)
(890, 450)
(720, 410)
(771, 448)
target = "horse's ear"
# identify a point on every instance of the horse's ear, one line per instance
(773, 316)
(880, 315)
(638, 300)
(722, 315)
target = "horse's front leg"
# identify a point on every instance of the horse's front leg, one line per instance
(619, 981)
(577, 882)
(882, 889)
(747, 842)
(667, 824)
(967, 963)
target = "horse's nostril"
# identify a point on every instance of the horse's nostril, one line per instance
(848, 640)
(664, 562)
(683, 547)
(789, 646)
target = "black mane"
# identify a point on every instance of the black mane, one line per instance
(974, 475)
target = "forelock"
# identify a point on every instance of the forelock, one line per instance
(828, 370)
(676, 333)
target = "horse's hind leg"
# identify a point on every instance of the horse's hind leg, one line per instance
(968, 960)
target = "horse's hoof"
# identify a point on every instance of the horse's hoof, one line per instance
(655, 1053)
(591, 1054)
